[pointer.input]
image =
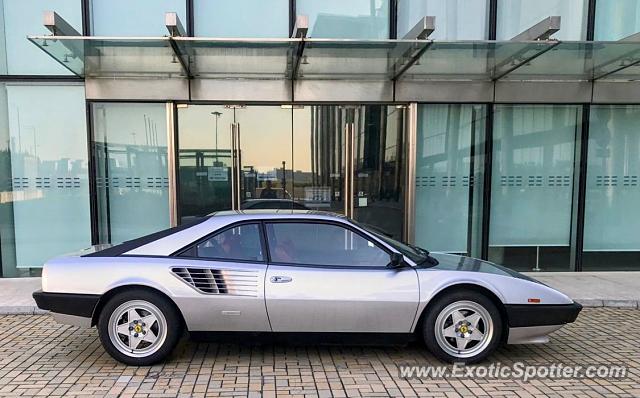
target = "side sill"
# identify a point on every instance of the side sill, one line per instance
(304, 338)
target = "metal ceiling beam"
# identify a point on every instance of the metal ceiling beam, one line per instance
(58, 26)
(176, 29)
(174, 25)
(296, 55)
(541, 31)
(421, 31)
(627, 60)
(633, 37)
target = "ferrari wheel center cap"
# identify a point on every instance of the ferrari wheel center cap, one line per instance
(137, 328)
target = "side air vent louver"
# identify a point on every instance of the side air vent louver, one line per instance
(219, 281)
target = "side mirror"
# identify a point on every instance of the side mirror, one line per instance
(396, 260)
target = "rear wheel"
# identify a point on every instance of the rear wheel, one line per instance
(462, 326)
(139, 327)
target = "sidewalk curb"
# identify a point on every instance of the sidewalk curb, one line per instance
(609, 303)
(587, 303)
(21, 310)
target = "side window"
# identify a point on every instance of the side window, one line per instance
(322, 244)
(237, 243)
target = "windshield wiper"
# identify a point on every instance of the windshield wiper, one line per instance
(427, 257)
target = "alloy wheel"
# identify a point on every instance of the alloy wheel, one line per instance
(464, 329)
(137, 328)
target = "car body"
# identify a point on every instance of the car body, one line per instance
(295, 272)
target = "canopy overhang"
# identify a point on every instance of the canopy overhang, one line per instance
(302, 59)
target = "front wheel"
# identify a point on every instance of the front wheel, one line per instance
(462, 327)
(139, 327)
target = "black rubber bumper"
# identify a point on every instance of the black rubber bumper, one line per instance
(67, 303)
(523, 315)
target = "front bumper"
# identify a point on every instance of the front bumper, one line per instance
(79, 305)
(528, 315)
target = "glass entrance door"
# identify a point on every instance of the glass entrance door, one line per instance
(342, 159)
(233, 157)
(378, 175)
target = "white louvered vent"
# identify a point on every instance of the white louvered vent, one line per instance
(219, 281)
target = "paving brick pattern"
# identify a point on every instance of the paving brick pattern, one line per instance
(41, 358)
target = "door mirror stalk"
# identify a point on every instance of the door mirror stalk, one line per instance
(396, 260)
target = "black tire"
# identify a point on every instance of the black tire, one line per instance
(445, 301)
(174, 329)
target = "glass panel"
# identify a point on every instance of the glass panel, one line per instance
(449, 178)
(611, 239)
(240, 58)
(472, 60)
(239, 243)
(134, 18)
(113, 57)
(22, 18)
(130, 146)
(582, 61)
(43, 175)
(379, 172)
(328, 59)
(353, 19)
(516, 16)
(241, 18)
(204, 159)
(319, 157)
(532, 185)
(616, 19)
(322, 244)
(455, 19)
(265, 153)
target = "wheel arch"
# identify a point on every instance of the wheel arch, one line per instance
(108, 295)
(466, 287)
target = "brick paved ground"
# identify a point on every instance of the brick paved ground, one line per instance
(40, 358)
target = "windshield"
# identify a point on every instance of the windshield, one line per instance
(416, 254)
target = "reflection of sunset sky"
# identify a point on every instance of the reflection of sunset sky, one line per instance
(265, 133)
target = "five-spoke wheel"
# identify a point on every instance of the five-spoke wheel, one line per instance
(462, 327)
(139, 327)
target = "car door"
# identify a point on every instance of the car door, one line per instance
(227, 271)
(326, 277)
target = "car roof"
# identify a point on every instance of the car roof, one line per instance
(277, 213)
(167, 242)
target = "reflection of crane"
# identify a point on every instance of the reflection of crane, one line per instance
(217, 115)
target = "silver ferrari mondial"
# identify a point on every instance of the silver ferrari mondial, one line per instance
(295, 273)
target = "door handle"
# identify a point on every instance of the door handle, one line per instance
(280, 279)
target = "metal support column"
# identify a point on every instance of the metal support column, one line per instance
(421, 31)
(541, 31)
(411, 138)
(176, 29)
(172, 164)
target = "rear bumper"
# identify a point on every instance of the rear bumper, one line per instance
(528, 315)
(78, 305)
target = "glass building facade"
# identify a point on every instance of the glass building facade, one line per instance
(525, 153)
